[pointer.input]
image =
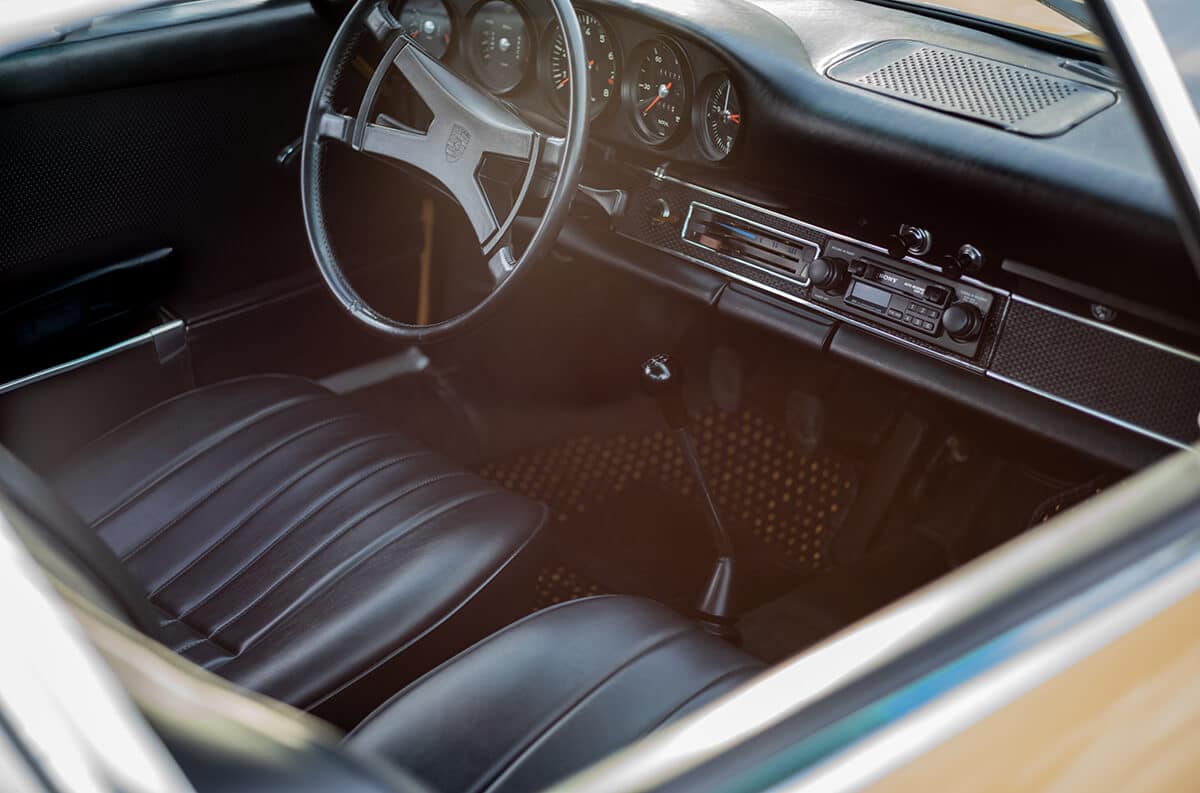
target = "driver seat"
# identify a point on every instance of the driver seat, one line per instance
(296, 546)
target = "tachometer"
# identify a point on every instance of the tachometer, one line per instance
(428, 23)
(658, 91)
(602, 65)
(720, 117)
(499, 46)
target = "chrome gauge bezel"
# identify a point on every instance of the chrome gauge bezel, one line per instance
(546, 57)
(629, 92)
(700, 115)
(456, 24)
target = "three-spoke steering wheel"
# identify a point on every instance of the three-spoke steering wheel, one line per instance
(468, 126)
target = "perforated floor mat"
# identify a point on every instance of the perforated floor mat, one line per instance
(765, 488)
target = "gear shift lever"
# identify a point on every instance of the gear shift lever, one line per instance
(662, 378)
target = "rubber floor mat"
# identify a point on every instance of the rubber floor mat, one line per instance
(789, 503)
(558, 583)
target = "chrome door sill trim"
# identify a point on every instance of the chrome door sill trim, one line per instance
(99, 355)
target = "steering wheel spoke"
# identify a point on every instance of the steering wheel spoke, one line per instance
(468, 127)
(380, 21)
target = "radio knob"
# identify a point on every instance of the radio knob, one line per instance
(828, 273)
(963, 322)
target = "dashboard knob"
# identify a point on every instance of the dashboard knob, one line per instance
(970, 259)
(828, 273)
(951, 267)
(963, 322)
(916, 240)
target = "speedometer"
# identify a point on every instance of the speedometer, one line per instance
(602, 64)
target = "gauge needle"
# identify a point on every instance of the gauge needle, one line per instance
(736, 118)
(568, 79)
(657, 99)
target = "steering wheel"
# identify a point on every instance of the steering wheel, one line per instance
(468, 126)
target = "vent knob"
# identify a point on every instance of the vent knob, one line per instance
(828, 273)
(963, 322)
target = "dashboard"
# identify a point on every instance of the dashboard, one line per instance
(817, 168)
(649, 89)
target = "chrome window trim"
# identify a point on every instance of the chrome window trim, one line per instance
(99, 355)
(1169, 118)
(1101, 616)
(1097, 526)
(160, 15)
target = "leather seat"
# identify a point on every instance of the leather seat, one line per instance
(297, 546)
(552, 694)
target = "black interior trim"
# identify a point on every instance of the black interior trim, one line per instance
(267, 35)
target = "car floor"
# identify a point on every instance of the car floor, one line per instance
(833, 517)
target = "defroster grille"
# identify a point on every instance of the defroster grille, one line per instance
(1001, 94)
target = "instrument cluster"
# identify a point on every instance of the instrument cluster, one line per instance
(648, 93)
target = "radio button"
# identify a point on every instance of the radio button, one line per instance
(936, 294)
(895, 314)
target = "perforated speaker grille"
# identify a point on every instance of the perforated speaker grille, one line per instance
(996, 93)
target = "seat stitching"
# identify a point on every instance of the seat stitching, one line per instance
(196, 451)
(718, 680)
(354, 678)
(514, 626)
(268, 499)
(514, 757)
(230, 477)
(312, 509)
(179, 397)
(354, 560)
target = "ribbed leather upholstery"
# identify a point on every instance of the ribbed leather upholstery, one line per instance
(292, 544)
(552, 694)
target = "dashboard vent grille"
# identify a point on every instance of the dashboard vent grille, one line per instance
(1001, 94)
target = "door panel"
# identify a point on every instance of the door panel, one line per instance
(166, 139)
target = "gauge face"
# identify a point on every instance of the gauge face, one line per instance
(659, 91)
(720, 118)
(428, 23)
(602, 64)
(499, 46)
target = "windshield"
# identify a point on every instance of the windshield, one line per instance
(1029, 14)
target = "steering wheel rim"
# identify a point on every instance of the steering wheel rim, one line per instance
(469, 125)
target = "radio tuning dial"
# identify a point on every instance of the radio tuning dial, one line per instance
(963, 322)
(828, 273)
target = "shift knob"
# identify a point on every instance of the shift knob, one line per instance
(662, 378)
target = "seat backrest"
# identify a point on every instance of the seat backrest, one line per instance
(74, 554)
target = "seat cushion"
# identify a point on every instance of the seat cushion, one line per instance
(550, 695)
(295, 545)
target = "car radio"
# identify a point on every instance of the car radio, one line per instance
(947, 314)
